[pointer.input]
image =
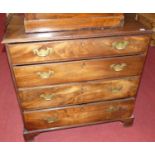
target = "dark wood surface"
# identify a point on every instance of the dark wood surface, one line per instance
(39, 22)
(148, 19)
(39, 16)
(77, 93)
(16, 33)
(32, 75)
(28, 53)
(93, 112)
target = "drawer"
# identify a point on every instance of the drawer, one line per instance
(77, 93)
(28, 53)
(79, 114)
(76, 71)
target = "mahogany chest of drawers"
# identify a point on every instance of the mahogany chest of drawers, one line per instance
(75, 78)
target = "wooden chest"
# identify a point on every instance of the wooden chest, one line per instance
(75, 78)
(148, 19)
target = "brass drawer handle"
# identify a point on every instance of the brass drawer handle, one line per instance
(47, 97)
(116, 89)
(113, 109)
(45, 75)
(51, 119)
(43, 52)
(120, 45)
(118, 67)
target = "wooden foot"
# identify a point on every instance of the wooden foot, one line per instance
(128, 121)
(29, 137)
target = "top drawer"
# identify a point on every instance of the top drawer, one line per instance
(29, 53)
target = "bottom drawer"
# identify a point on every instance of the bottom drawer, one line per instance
(79, 114)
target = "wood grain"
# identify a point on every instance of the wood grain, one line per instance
(78, 93)
(93, 112)
(16, 32)
(39, 16)
(148, 19)
(76, 49)
(87, 75)
(76, 71)
(59, 22)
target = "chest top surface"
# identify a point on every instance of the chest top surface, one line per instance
(15, 32)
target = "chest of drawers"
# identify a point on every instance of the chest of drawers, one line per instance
(75, 78)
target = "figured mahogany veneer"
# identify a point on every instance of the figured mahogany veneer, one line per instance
(80, 114)
(74, 78)
(77, 93)
(30, 76)
(76, 49)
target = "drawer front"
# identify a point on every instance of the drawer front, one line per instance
(70, 94)
(28, 53)
(40, 75)
(80, 114)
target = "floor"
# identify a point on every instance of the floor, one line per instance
(11, 126)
